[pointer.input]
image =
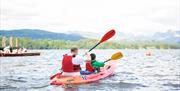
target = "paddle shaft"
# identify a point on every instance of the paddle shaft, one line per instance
(107, 60)
(94, 46)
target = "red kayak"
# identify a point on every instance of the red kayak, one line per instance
(106, 71)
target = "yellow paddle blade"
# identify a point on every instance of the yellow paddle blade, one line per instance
(116, 56)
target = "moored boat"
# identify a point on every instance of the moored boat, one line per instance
(19, 54)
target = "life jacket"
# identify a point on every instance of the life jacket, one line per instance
(68, 66)
(89, 66)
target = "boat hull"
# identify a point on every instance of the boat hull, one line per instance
(19, 54)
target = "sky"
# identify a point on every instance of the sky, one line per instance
(128, 16)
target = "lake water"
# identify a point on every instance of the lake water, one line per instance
(135, 72)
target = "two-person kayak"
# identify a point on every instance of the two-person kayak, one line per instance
(106, 71)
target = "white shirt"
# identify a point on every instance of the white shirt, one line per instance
(76, 60)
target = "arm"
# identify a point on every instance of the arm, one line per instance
(80, 59)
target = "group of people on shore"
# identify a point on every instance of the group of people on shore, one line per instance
(9, 49)
(72, 62)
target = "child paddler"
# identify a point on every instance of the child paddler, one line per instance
(92, 66)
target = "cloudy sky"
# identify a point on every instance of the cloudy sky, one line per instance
(130, 16)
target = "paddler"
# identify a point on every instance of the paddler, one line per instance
(7, 49)
(71, 63)
(93, 65)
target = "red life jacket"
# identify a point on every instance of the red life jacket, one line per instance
(89, 66)
(68, 66)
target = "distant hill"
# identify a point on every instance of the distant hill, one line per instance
(40, 34)
(169, 36)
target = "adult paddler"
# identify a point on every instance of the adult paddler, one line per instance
(71, 63)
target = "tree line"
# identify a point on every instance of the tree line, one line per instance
(88, 43)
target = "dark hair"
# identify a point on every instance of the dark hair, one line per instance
(93, 56)
(73, 49)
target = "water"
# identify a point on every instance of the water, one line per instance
(135, 72)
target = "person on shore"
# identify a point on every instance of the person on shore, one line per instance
(71, 63)
(6, 49)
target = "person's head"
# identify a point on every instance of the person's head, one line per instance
(74, 50)
(93, 56)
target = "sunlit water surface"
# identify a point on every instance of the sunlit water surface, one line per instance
(135, 72)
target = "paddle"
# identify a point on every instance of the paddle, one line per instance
(57, 74)
(115, 56)
(107, 36)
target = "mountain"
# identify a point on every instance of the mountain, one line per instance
(40, 34)
(169, 36)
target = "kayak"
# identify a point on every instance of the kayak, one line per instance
(106, 71)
